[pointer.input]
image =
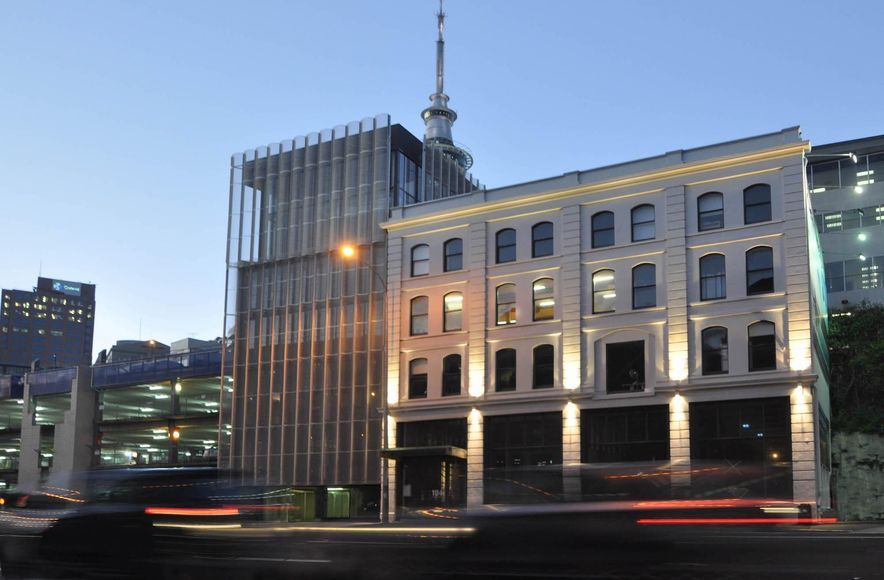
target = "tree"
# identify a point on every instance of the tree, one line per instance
(856, 349)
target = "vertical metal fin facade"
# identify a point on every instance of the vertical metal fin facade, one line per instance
(305, 329)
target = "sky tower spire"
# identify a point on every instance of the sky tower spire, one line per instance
(438, 117)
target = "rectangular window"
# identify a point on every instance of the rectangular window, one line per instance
(630, 434)
(625, 366)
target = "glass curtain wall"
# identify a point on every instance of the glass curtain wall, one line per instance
(306, 329)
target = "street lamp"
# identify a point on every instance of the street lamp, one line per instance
(349, 252)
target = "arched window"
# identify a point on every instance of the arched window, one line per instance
(644, 286)
(756, 203)
(542, 240)
(603, 229)
(420, 260)
(451, 375)
(506, 304)
(544, 299)
(453, 250)
(452, 311)
(710, 211)
(544, 367)
(420, 308)
(505, 370)
(604, 293)
(643, 223)
(417, 378)
(506, 246)
(714, 341)
(762, 346)
(759, 270)
(713, 281)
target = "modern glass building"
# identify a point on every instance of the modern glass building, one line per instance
(53, 323)
(306, 324)
(846, 182)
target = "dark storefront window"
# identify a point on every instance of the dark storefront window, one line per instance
(523, 458)
(625, 366)
(625, 434)
(741, 448)
(451, 432)
(431, 480)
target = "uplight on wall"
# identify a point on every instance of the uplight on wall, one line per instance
(678, 406)
(571, 379)
(570, 413)
(392, 391)
(477, 384)
(799, 354)
(475, 420)
(678, 366)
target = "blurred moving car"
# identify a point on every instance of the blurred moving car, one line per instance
(114, 521)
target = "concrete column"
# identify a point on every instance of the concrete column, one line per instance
(75, 436)
(680, 444)
(571, 452)
(29, 455)
(74, 440)
(804, 484)
(475, 459)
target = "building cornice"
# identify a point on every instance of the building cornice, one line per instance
(632, 180)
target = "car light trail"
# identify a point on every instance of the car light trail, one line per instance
(163, 511)
(732, 521)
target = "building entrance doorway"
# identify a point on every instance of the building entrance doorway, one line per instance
(431, 482)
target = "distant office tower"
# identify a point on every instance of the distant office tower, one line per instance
(53, 323)
(846, 182)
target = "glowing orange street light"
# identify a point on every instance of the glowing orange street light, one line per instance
(348, 251)
(175, 434)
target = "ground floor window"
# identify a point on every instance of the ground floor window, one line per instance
(625, 453)
(523, 458)
(741, 448)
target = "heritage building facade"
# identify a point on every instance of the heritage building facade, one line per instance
(649, 329)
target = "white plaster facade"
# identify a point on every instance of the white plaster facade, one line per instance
(670, 330)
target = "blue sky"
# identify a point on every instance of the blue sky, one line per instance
(118, 119)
